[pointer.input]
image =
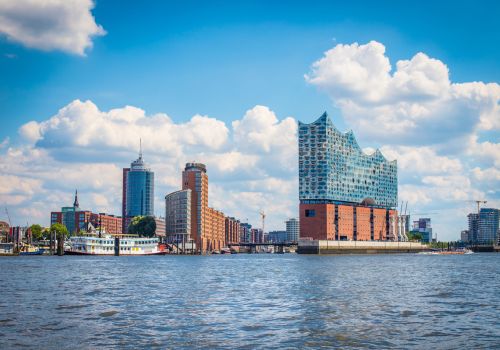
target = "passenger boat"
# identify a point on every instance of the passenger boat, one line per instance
(113, 245)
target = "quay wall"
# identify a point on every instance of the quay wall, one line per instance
(358, 247)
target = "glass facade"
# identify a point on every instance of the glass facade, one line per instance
(488, 226)
(333, 168)
(140, 190)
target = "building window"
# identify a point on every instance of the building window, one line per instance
(310, 213)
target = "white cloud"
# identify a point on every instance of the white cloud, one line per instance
(416, 104)
(443, 134)
(66, 25)
(82, 147)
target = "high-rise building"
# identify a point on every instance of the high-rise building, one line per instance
(138, 191)
(488, 226)
(344, 193)
(292, 230)
(207, 226)
(473, 226)
(178, 216)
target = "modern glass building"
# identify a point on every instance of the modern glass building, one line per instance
(488, 226)
(139, 191)
(333, 168)
(344, 193)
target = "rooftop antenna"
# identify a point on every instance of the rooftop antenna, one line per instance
(140, 148)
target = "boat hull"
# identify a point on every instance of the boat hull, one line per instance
(69, 252)
(38, 252)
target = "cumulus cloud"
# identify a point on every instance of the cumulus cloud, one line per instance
(65, 25)
(414, 104)
(255, 155)
(443, 134)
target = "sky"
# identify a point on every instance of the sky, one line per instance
(224, 83)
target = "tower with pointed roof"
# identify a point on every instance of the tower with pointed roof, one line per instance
(76, 205)
(138, 191)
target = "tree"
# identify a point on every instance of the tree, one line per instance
(60, 230)
(36, 232)
(414, 236)
(143, 226)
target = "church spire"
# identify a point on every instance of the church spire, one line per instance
(75, 204)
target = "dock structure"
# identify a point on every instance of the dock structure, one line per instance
(358, 247)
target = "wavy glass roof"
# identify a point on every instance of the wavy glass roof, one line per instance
(333, 168)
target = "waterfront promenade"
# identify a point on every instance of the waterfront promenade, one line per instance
(404, 301)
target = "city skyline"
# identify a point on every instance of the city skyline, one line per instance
(435, 106)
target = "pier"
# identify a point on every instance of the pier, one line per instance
(358, 247)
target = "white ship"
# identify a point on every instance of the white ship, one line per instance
(113, 245)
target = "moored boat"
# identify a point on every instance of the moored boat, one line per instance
(28, 249)
(113, 245)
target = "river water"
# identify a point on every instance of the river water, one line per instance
(250, 301)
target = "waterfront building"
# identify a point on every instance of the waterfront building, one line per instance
(207, 226)
(424, 228)
(178, 216)
(137, 191)
(277, 236)
(488, 226)
(245, 233)
(257, 236)
(76, 220)
(344, 193)
(232, 230)
(473, 219)
(292, 230)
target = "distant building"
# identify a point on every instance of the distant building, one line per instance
(344, 193)
(137, 191)
(209, 228)
(292, 230)
(232, 230)
(464, 236)
(473, 226)
(277, 236)
(178, 216)
(257, 236)
(76, 220)
(246, 233)
(488, 226)
(423, 227)
(484, 227)
(160, 226)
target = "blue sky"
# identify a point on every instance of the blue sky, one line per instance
(220, 60)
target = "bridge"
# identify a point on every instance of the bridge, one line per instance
(278, 247)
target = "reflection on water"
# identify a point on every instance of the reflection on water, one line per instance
(251, 301)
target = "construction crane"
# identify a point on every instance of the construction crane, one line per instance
(263, 217)
(8, 216)
(478, 202)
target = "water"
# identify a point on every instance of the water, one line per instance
(250, 301)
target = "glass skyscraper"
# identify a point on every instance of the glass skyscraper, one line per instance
(138, 191)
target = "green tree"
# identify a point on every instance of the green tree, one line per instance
(143, 226)
(36, 232)
(414, 236)
(60, 230)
